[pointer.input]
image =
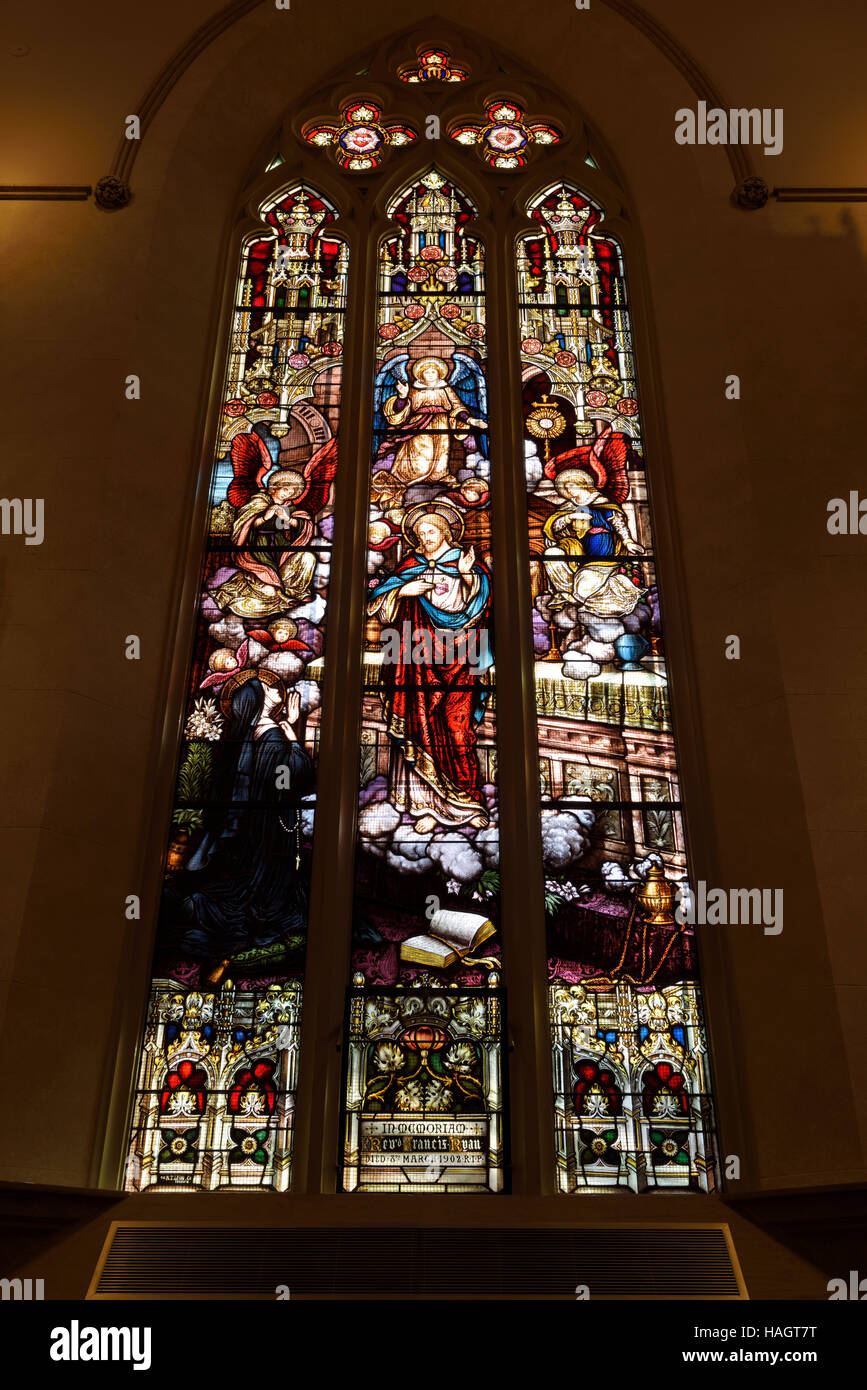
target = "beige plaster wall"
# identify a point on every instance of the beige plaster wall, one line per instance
(776, 296)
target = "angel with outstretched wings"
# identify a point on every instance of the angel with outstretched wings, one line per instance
(274, 520)
(424, 414)
(589, 534)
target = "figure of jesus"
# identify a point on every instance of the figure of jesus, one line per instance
(433, 707)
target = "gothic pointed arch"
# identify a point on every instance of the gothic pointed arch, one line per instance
(444, 258)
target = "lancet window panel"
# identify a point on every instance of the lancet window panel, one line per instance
(424, 1091)
(217, 1077)
(632, 1086)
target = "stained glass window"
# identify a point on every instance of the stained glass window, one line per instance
(632, 1102)
(423, 1086)
(214, 1106)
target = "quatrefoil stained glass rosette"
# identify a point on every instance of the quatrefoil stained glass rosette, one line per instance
(505, 136)
(361, 138)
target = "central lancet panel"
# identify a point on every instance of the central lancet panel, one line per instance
(423, 1085)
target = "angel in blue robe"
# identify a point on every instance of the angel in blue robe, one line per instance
(420, 423)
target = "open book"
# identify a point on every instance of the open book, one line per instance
(452, 936)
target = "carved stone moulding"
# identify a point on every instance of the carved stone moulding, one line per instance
(751, 194)
(111, 194)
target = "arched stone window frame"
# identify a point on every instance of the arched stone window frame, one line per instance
(501, 197)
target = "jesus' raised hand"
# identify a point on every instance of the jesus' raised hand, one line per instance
(466, 562)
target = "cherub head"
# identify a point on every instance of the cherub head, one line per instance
(284, 486)
(283, 629)
(576, 484)
(429, 371)
(473, 489)
(223, 659)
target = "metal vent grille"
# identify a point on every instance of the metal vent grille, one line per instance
(155, 1260)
